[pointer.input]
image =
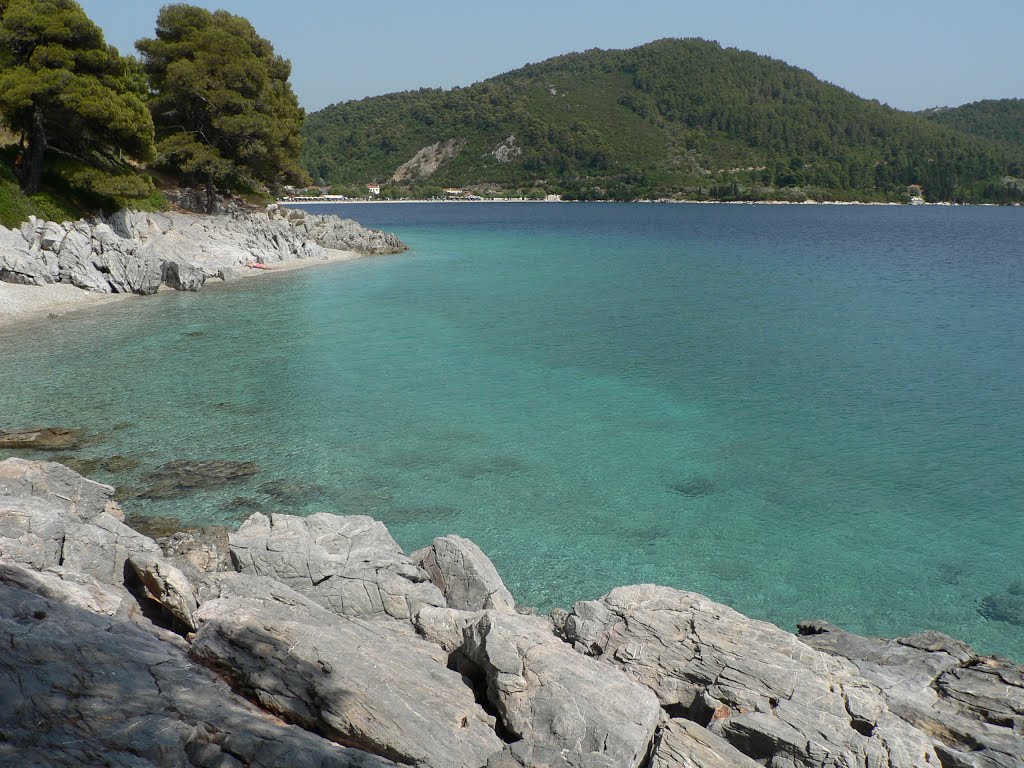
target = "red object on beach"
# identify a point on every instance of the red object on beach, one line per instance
(257, 265)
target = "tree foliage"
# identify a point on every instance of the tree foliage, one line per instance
(224, 110)
(997, 119)
(64, 90)
(674, 117)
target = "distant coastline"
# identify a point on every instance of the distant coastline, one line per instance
(338, 201)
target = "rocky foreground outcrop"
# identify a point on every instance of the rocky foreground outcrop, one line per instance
(133, 252)
(317, 642)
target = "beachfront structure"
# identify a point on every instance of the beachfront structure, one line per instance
(373, 189)
(454, 192)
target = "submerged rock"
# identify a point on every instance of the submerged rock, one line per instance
(293, 493)
(1008, 607)
(694, 487)
(176, 479)
(42, 439)
(87, 466)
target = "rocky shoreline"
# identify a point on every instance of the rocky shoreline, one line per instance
(140, 253)
(317, 641)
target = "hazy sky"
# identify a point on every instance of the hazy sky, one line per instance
(908, 53)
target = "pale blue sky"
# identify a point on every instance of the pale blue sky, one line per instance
(908, 53)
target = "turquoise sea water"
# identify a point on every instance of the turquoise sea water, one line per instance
(804, 412)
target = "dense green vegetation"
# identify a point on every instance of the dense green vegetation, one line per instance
(77, 118)
(674, 118)
(996, 119)
(225, 113)
(68, 93)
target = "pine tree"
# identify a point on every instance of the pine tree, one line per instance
(65, 91)
(225, 113)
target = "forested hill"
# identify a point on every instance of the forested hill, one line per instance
(998, 119)
(682, 118)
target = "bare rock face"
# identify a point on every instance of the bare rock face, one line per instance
(973, 705)
(557, 700)
(444, 626)
(362, 684)
(465, 575)
(350, 565)
(63, 488)
(51, 516)
(684, 744)
(426, 161)
(135, 252)
(84, 689)
(750, 682)
(199, 549)
(167, 586)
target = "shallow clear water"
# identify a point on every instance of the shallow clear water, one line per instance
(800, 411)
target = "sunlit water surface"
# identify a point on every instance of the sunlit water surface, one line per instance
(799, 411)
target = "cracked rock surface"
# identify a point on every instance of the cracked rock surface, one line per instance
(772, 697)
(358, 683)
(136, 252)
(350, 565)
(465, 575)
(973, 706)
(558, 700)
(81, 689)
(113, 652)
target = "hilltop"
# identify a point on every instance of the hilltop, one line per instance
(996, 119)
(673, 118)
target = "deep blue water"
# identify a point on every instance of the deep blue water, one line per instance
(802, 411)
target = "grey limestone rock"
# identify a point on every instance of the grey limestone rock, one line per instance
(182, 276)
(344, 234)
(101, 547)
(168, 586)
(199, 549)
(242, 588)
(557, 700)
(84, 689)
(444, 626)
(359, 683)
(348, 564)
(684, 744)
(464, 574)
(129, 266)
(23, 262)
(973, 705)
(774, 698)
(73, 589)
(135, 252)
(63, 487)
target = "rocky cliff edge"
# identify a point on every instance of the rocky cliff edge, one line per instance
(133, 252)
(316, 642)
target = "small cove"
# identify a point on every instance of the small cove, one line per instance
(804, 412)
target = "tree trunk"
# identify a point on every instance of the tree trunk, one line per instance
(32, 178)
(211, 193)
